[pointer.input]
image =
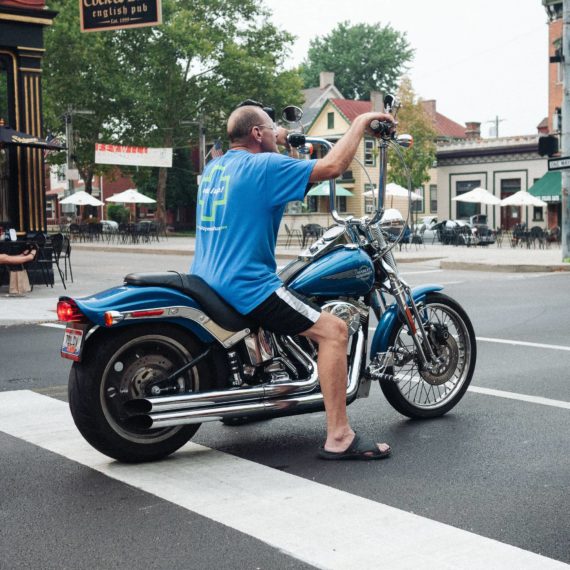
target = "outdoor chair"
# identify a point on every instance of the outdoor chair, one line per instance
(538, 237)
(293, 234)
(56, 249)
(43, 263)
(311, 232)
(499, 237)
(553, 235)
(74, 232)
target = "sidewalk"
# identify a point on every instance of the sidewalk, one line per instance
(95, 272)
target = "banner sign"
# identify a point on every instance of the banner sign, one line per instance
(132, 155)
(97, 15)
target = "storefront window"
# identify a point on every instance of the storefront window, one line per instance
(465, 209)
(433, 198)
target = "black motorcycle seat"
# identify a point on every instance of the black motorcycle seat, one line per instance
(192, 285)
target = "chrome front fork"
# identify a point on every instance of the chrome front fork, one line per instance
(408, 308)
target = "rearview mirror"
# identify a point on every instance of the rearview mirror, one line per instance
(391, 104)
(292, 114)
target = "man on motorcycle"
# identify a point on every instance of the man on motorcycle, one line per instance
(241, 202)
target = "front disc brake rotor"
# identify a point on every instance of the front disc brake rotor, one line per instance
(447, 353)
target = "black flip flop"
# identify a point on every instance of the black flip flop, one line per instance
(362, 449)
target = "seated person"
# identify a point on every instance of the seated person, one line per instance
(25, 257)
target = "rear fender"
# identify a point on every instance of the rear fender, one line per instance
(390, 318)
(134, 303)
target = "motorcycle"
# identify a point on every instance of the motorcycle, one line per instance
(162, 353)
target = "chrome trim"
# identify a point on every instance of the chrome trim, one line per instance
(225, 337)
(219, 400)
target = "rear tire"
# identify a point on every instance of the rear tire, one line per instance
(422, 394)
(116, 367)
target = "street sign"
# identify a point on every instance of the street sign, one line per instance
(560, 163)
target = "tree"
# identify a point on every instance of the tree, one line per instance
(413, 119)
(363, 57)
(78, 74)
(205, 58)
(144, 83)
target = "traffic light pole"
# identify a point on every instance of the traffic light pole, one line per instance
(565, 222)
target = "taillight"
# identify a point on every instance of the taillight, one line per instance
(68, 312)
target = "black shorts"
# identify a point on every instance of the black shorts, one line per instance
(285, 312)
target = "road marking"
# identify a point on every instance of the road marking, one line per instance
(520, 397)
(314, 523)
(524, 343)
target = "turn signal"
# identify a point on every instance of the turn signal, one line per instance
(68, 312)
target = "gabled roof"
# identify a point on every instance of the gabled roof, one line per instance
(447, 128)
(444, 127)
(350, 109)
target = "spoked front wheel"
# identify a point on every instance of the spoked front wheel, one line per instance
(419, 392)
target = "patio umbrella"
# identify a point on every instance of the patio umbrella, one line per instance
(81, 198)
(392, 215)
(131, 196)
(478, 196)
(522, 198)
(395, 191)
(323, 189)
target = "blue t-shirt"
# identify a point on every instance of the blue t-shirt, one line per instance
(241, 201)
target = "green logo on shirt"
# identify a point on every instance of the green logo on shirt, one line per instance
(213, 193)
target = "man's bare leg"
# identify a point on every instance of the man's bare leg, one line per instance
(331, 334)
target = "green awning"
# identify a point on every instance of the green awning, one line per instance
(323, 189)
(548, 187)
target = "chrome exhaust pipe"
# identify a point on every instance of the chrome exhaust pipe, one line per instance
(237, 395)
(218, 412)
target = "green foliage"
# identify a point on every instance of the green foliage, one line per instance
(181, 186)
(143, 83)
(413, 119)
(364, 58)
(118, 213)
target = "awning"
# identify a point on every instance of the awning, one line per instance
(548, 187)
(323, 189)
(10, 136)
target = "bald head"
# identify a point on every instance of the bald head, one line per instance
(242, 120)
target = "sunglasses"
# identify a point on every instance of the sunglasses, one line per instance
(269, 110)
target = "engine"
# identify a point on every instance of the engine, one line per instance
(352, 312)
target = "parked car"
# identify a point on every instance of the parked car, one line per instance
(485, 235)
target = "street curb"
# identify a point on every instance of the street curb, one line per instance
(520, 268)
(444, 264)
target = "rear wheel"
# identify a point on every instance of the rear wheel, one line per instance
(121, 366)
(421, 393)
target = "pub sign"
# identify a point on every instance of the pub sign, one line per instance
(97, 15)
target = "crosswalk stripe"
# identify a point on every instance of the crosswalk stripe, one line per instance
(320, 525)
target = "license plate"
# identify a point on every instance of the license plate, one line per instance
(72, 343)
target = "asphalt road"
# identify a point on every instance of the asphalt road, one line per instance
(497, 466)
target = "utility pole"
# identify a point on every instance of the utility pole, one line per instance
(68, 118)
(496, 121)
(201, 140)
(565, 131)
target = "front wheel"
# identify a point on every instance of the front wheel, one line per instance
(416, 391)
(121, 365)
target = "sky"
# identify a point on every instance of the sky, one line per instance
(479, 60)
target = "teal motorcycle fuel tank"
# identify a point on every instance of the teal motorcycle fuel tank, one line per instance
(345, 271)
